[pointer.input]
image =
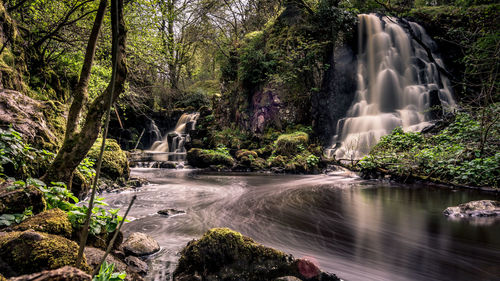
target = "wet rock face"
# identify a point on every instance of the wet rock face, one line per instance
(481, 208)
(140, 244)
(223, 254)
(66, 273)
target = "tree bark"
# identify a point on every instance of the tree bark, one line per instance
(80, 95)
(76, 146)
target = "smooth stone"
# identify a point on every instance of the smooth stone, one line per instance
(140, 244)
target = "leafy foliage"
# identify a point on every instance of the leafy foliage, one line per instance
(465, 153)
(9, 219)
(106, 273)
(58, 196)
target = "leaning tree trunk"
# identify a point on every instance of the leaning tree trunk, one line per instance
(76, 146)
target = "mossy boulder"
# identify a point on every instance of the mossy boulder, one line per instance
(54, 221)
(223, 254)
(17, 200)
(204, 158)
(114, 160)
(29, 251)
(229, 255)
(291, 144)
(246, 153)
(66, 273)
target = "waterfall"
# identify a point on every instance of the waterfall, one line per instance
(174, 140)
(394, 80)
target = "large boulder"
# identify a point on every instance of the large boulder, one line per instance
(17, 200)
(481, 208)
(66, 273)
(29, 252)
(204, 158)
(54, 221)
(140, 244)
(223, 254)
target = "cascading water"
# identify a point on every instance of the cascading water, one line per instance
(174, 140)
(395, 77)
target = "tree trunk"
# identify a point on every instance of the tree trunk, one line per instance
(76, 146)
(80, 95)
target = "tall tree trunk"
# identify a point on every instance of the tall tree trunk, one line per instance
(80, 95)
(76, 146)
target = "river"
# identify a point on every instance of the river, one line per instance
(357, 229)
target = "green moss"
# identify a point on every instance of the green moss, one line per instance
(291, 144)
(29, 251)
(222, 248)
(2, 278)
(245, 153)
(203, 158)
(54, 221)
(115, 163)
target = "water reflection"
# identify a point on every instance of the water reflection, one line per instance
(359, 230)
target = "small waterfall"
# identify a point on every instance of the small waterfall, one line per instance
(394, 80)
(173, 141)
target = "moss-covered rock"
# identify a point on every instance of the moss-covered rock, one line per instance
(245, 153)
(223, 254)
(114, 160)
(231, 256)
(291, 144)
(54, 221)
(204, 158)
(16, 201)
(29, 251)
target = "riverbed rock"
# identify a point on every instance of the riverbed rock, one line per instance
(54, 221)
(170, 212)
(66, 273)
(29, 252)
(17, 200)
(481, 208)
(140, 244)
(223, 254)
(137, 265)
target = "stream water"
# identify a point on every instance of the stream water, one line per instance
(359, 230)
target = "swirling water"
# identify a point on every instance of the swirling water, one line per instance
(360, 230)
